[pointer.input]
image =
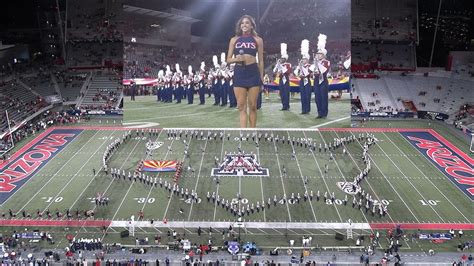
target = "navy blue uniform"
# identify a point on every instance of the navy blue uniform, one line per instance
(321, 87)
(216, 90)
(224, 91)
(202, 92)
(190, 93)
(305, 90)
(246, 76)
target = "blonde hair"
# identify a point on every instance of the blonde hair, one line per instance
(238, 30)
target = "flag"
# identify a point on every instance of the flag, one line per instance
(159, 166)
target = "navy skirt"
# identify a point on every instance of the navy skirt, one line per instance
(247, 76)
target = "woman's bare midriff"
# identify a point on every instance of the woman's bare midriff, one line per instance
(249, 59)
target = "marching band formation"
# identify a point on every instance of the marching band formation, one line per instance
(176, 85)
(215, 81)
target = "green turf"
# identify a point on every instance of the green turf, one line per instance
(67, 181)
(400, 175)
(146, 109)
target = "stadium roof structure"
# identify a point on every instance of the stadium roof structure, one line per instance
(158, 14)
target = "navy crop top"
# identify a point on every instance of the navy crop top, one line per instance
(246, 44)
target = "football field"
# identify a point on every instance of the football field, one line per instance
(146, 110)
(55, 172)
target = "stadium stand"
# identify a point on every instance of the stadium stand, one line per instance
(104, 92)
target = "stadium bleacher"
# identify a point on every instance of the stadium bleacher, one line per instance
(103, 92)
(441, 92)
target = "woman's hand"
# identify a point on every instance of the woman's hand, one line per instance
(239, 58)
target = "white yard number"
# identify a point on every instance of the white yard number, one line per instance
(429, 202)
(190, 200)
(143, 200)
(384, 202)
(337, 201)
(236, 201)
(52, 199)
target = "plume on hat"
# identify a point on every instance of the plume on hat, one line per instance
(283, 50)
(305, 48)
(215, 61)
(223, 59)
(322, 44)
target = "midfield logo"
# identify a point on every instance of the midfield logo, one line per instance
(240, 165)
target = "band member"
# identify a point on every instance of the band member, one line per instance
(321, 85)
(159, 90)
(224, 81)
(283, 69)
(202, 84)
(190, 85)
(266, 83)
(178, 79)
(216, 82)
(303, 72)
(133, 90)
(248, 75)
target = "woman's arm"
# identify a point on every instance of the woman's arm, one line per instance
(260, 57)
(230, 53)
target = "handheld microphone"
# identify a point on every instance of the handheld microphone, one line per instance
(241, 52)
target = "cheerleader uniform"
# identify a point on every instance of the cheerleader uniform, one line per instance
(246, 76)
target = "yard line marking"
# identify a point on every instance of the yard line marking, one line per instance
(56, 174)
(467, 220)
(217, 189)
(281, 177)
(301, 175)
(280, 233)
(74, 176)
(396, 192)
(157, 174)
(109, 183)
(380, 147)
(343, 177)
(322, 175)
(197, 179)
(240, 177)
(131, 185)
(366, 179)
(261, 181)
(331, 122)
(295, 233)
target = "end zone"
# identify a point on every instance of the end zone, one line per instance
(31, 158)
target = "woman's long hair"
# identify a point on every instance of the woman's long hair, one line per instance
(238, 30)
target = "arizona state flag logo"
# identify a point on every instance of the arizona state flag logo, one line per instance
(159, 166)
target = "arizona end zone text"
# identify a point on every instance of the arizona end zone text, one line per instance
(31, 159)
(454, 164)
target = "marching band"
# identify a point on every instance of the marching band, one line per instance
(174, 86)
